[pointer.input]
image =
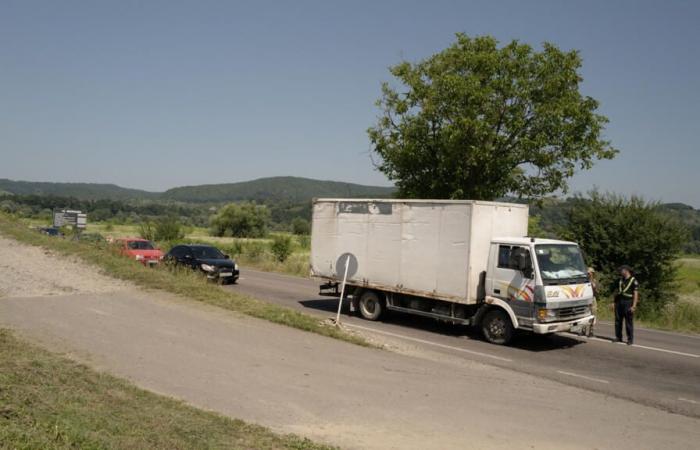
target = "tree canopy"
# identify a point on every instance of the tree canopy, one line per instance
(241, 220)
(480, 121)
(613, 230)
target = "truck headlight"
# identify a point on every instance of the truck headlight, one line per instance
(235, 266)
(139, 257)
(545, 314)
(208, 268)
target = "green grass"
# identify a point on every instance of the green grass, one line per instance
(185, 283)
(689, 278)
(50, 402)
(297, 264)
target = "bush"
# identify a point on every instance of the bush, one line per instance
(163, 229)
(281, 247)
(168, 229)
(304, 241)
(241, 220)
(147, 230)
(301, 226)
(613, 230)
(254, 249)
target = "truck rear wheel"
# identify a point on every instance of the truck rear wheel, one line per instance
(371, 305)
(497, 327)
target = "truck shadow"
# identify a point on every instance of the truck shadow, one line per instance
(522, 340)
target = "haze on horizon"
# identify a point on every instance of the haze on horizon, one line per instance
(153, 95)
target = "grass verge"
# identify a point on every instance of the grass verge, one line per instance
(50, 402)
(184, 283)
(683, 316)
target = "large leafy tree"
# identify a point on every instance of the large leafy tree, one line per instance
(480, 121)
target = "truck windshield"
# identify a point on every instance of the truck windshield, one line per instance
(560, 263)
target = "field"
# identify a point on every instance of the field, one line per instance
(254, 253)
(689, 279)
(50, 402)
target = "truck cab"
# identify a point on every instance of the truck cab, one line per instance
(540, 284)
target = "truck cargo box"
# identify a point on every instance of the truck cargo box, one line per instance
(430, 248)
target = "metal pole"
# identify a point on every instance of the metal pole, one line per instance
(342, 290)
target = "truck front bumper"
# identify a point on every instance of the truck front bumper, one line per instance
(569, 325)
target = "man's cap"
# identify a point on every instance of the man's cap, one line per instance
(591, 270)
(624, 267)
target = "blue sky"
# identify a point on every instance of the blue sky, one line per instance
(153, 94)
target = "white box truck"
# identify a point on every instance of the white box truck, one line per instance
(465, 262)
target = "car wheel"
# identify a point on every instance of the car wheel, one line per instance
(371, 305)
(497, 327)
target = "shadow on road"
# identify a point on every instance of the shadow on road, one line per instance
(522, 340)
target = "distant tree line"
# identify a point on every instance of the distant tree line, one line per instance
(274, 215)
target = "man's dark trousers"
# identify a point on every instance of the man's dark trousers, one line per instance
(623, 310)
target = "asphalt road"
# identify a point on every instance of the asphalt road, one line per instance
(329, 390)
(661, 370)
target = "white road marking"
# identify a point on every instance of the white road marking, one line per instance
(694, 402)
(97, 311)
(645, 347)
(690, 355)
(651, 330)
(571, 374)
(422, 341)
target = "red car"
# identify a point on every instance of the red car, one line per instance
(141, 250)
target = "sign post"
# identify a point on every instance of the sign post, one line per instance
(342, 289)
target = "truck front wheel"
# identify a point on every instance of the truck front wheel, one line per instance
(497, 327)
(371, 305)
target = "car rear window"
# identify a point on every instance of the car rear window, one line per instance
(140, 245)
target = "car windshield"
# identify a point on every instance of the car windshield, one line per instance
(207, 253)
(560, 262)
(140, 245)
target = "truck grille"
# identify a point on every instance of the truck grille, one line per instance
(574, 311)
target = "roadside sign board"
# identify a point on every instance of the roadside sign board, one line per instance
(58, 219)
(74, 218)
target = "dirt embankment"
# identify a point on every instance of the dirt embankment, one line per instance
(28, 271)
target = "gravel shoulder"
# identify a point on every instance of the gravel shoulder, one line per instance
(29, 271)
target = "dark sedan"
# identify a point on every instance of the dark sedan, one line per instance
(210, 260)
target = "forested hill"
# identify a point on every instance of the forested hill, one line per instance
(82, 191)
(273, 189)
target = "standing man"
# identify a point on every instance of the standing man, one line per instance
(626, 304)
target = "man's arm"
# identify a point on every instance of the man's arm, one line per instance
(635, 295)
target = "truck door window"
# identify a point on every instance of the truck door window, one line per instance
(508, 256)
(504, 256)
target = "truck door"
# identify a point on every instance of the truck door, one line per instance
(510, 284)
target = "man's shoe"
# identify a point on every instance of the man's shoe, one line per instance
(616, 341)
(630, 342)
